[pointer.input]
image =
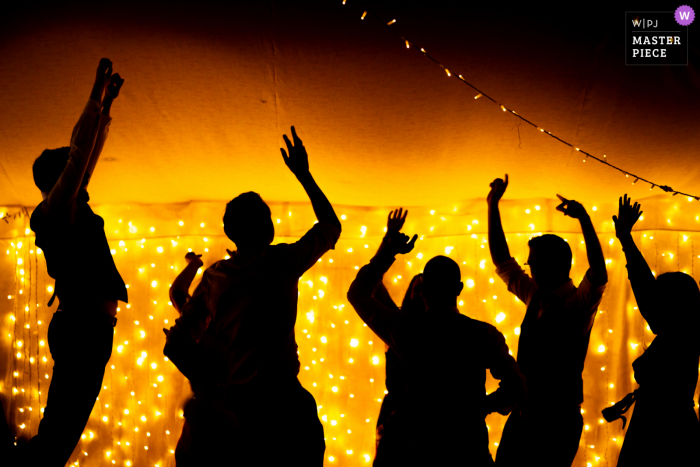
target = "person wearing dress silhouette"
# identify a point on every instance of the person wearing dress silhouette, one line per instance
(88, 285)
(546, 427)
(388, 432)
(664, 429)
(234, 339)
(445, 356)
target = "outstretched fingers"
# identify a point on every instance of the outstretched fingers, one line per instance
(297, 140)
(289, 144)
(561, 207)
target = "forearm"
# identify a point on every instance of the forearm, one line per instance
(107, 105)
(635, 259)
(322, 207)
(642, 281)
(510, 393)
(379, 318)
(102, 133)
(594, 251)
(361, 291)
(370, 276)
(179, 290)
(97, 91)
(498, 246)
(82, 143)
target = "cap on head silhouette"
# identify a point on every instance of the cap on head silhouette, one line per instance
(49, 166)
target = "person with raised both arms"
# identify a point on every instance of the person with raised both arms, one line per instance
(445, 356)
(546, 427)
(88, 285)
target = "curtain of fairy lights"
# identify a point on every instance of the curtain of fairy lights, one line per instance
(138, 417)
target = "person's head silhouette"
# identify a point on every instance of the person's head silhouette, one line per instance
(679, 296)
(442, 282)
(248, 222)
(48, 168)
(549, 261)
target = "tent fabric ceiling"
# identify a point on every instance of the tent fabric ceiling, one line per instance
(211, 88)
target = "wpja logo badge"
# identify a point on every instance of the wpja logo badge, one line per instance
(658, 37)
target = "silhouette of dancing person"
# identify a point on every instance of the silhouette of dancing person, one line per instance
(445, 356)
(88, 284)
(387, 449)
(234, 339)
(664, 429)
(546, 427)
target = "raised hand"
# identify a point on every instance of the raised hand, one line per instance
(571, 208)
(396, 220)
(115, 84)
(297, 160)
(627, 216)
(498, 188)
(399, 243)
(192, 257)
(102, 78)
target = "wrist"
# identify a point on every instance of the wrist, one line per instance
(96, 93)
(303, 177)
(626, 238)
(384, 252)
(107, 105)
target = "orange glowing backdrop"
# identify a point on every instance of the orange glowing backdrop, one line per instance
(210, 89)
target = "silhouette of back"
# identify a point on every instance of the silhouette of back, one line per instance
(445, 356)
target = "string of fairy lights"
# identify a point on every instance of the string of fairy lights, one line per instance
(341, 360)
(603, 160)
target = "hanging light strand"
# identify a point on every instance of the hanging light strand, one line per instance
(391, 25)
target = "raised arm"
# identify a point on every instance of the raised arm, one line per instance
(111, 93)
(640, 276)
(65, 191)
(379, 317)
(596, 260)
(298, 163)
(394, 224)
(180, 289)
(497, 238)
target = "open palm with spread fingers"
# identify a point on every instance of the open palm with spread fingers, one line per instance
(627, 216)
(396, 220)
